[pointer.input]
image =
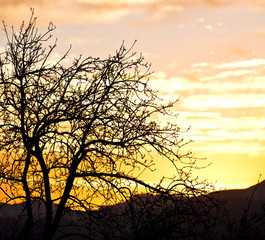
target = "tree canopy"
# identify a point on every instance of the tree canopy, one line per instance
(73, 133)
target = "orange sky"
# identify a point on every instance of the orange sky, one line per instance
(208, 53)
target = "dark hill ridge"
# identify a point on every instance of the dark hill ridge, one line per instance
(258, 189)
(235, 214)
(255, 194)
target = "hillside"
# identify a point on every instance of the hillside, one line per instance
(230, 214)
(238, 200)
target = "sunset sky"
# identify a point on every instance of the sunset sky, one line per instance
(208, 53)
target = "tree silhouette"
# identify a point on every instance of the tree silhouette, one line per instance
(79, 135)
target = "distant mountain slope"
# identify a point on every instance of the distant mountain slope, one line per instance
(239, 200)
(237, 214)
(257, 189)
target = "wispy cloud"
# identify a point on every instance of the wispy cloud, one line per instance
(242, 64)
(106, 10)
(223, 102)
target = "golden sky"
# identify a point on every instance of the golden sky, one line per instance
(208, 53)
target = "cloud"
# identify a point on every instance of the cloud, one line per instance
(102, 11)
(243, 64)
(216, 3)
(222, 102)
(208, 27)
(200, 64)
(229, 74)
(5, 3)
(243, 77)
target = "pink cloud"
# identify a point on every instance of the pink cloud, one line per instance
(106, 10)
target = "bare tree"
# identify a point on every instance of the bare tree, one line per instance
(80, 135)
